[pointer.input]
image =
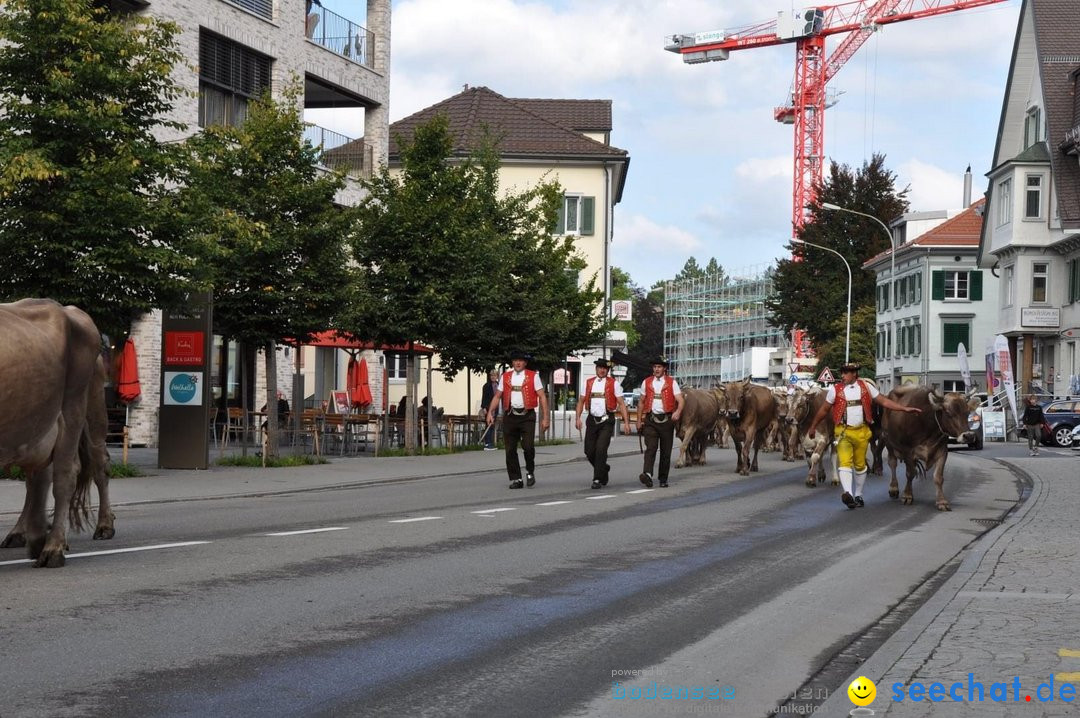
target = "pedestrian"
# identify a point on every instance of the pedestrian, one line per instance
(661, 406)
(519, 394)
(851, 402)
(1033, 421)
(486, 396)
(603, 402)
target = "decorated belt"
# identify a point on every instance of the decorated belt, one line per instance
(602, 419)
(659, 418)
(520, 412)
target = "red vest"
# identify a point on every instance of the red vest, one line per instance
(839, 407)
(667, 394)
(609, 392)
(528, 390)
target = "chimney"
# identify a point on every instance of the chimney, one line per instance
(967, 187)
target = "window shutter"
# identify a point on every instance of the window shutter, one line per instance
(937, 285)
(588, 209)
(975, 286)
(918, 288)
(560, 219)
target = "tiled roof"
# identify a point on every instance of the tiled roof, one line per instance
(580, 115)
(1037, 152)
(1058, 45)
(963, 230)
(522, 130)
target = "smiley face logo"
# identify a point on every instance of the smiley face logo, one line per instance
(862, 691)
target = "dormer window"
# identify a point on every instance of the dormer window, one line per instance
(1033, 129)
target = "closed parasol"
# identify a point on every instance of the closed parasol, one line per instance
(357, 384)
(127, 374)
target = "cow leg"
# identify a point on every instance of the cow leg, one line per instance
(758, 439)
(939, 481)
(37, 495)
(894, 486)
(738, 453)
(684, 449)
(105, 528)
(834, 466)
(16, 538)
(912, 470)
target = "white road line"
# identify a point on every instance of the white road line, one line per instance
(554, 503)
(602, 496)
(640, 491)
(493, 511)
(115, 550)
(308, 531)
(418, 518)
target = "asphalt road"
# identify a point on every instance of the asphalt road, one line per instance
(456, 596)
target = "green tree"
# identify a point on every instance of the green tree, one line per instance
(83, 216)
(269, 240)
(812, 293)
(830, 353)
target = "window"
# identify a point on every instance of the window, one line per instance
(262, 8)
(576, 216)
(1038, 282)
(954, 334)
(918, 339)
(953, 284)
(1074, 280)
(1032, 127)
(230, 75)
(880, 343)
(1004, 202)
(952, 385)
(1009, 282)
(397, 366)
(1033, 197)
(883, 298)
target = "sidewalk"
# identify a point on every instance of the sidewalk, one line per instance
(1010, 613)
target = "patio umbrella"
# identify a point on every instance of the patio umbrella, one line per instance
(357, 382)
(127, 374)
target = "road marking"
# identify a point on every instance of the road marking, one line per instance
(493, 511)
(308, 531)
(1069, 653)
(640, 491)
(86, 554)
(604, 496)
(418, 518)
(554, 503)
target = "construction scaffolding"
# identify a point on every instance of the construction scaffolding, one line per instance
(716, 328)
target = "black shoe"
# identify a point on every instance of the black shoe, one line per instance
(516, 484)
(859, 502)
(848, 500)
(530, 480)
(596, 483)
(646, 479)
(663, 483)
(603, 481)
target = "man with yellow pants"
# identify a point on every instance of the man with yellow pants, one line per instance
(851, 403)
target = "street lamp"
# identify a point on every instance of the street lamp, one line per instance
(892, 283)
(847, 339)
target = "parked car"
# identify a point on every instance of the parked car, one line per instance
(1076, 438)
(1062, 417)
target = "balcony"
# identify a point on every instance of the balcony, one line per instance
(339, 152)
(340, 35)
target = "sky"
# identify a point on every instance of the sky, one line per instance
(710, 170)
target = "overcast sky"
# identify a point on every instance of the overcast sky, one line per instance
(711, 171)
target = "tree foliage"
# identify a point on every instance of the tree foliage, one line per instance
(812, 293)
(82, 178)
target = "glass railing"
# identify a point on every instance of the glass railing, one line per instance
(340, 35)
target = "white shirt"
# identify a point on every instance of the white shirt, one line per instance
(854, 401)
(598, 398)
(658, 386)
(517, 380)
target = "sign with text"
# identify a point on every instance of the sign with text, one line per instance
(622, 310)
(184, 407)
(183, 388)
(1048, 317)
(184, 348)
(993, 425)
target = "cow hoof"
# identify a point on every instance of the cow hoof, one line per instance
(894, 493)
(909, 500)
(50, 559)
(944, 506)
(13, 541)
(104, 533)
(835, 482)
(810, 483)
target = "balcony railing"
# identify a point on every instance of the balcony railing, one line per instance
(340, 152)
(340, 35)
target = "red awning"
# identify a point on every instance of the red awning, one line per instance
(128, 388)
(331, 338)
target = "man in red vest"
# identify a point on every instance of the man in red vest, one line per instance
(661, 406)
(520, 393)
(604, 399)
(850, 402)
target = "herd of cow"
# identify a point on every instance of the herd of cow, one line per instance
(759, 418)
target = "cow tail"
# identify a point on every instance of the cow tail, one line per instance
(79, 509)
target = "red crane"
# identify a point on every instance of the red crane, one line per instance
(808, 28)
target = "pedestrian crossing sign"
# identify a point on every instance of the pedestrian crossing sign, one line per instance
(826, 377)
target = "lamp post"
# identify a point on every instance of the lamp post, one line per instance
(847, 339)
(892, 283)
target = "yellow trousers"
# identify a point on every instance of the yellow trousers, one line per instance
(851, 443)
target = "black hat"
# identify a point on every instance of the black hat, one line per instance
(603, 362)
(518, 354)
(851, 366)
(661, 360)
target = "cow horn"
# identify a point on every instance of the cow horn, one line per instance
(935, 399)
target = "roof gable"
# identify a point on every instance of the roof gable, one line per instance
(960, 231)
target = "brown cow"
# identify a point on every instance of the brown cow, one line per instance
(697, 425)
(750, 409)
(51, 368)
(921, 440)
(805, 406)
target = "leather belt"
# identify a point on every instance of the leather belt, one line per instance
(659, 418)
(601, 419)
(519, 412)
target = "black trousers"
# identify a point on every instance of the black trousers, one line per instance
(597, 440)
(519, 429)
(658, 436)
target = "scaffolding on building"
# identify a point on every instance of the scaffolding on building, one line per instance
(715, 325)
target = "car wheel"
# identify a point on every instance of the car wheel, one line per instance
(1063, 436)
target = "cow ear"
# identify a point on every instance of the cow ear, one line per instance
(935, 400)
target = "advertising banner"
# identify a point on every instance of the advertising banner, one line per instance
(965, 371)
(1004, 361)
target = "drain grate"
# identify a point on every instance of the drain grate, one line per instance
(988, 522)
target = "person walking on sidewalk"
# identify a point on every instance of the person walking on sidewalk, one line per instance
(519, 394)
(661, 406)
(850, 402)
(486, 396)
(603, 402)
(1033, 420)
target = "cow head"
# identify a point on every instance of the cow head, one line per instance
(798, 402)
(951, 412)
(734, 394)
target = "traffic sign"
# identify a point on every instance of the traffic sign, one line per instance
(826, 377)
(793, 380)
